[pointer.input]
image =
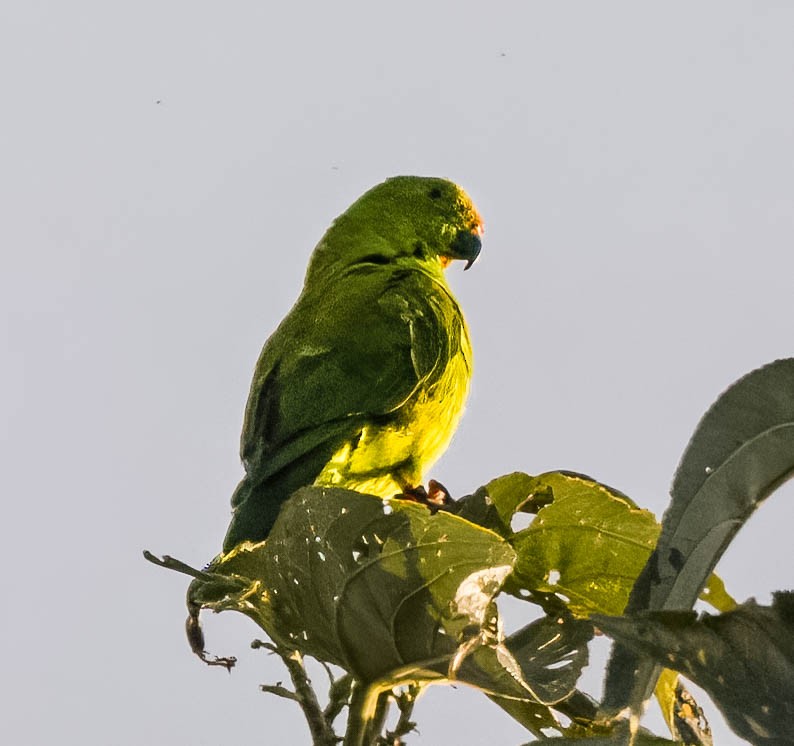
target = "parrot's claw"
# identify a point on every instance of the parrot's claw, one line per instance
(436, 496)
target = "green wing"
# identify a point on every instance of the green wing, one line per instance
(348, 353)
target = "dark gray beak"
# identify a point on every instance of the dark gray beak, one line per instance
(467, 246)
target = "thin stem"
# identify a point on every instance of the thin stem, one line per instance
(320, 728)
(379, 718)
(365, 708)
(338, 697)
(404, 725)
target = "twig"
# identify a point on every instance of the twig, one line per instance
(405, 704)
(280, 691)
(171, 563)
(320, 728)
(338, 697)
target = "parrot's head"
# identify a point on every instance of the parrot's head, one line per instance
(406, 221)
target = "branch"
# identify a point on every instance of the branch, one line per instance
(320, 728)
(405, 704)
(339, 695)
(280, 691)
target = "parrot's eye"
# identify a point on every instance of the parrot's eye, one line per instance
(435, 193)
(373, 259)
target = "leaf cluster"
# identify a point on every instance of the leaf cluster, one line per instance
(400, 597)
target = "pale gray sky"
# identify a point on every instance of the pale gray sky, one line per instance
(167, 168)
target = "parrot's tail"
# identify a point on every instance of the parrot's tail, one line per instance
(256, 507)
(257, 502)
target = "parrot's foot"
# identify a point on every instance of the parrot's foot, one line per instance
(436, 496)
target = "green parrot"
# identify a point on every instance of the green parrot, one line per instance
(363, 383)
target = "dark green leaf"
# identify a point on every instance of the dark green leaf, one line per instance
(744, 659)
(536, 718)
(493, 670)
(551, 652)
(740, 452)
(531, 669)
(543, 661)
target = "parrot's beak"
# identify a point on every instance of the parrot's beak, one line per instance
(466, 245)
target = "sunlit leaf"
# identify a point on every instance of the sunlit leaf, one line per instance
(587, 545)
(716, 595)
(495, 504)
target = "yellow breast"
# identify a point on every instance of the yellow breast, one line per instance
(389, 458)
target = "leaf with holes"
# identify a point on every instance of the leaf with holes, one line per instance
(495, 504)
(530, 670)
(382, 588)
(588, 544)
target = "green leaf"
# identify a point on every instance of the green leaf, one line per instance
(536, 718)
(740, 452)
(551, 652)
(494, 670)
(384, 589)
(715, 594)
(535, 667)
(495, 504)
(530, 670)
(394, 593)
(587, 545)
(744, 659)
